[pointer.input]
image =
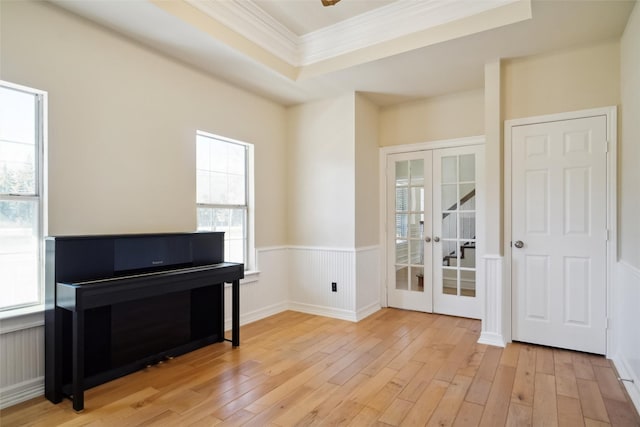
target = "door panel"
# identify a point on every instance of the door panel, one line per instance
(409, 277)
(559, 204)
(457, 188)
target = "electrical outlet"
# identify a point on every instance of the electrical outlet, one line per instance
(334, 287)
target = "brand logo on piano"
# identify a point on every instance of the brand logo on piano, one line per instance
(157, 262)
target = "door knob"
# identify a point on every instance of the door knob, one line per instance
(518, 244)
(436, 239)
(427, 239)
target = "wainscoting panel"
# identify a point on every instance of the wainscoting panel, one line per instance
(624, 325)
(21, 362)
(267, 292)
(367, 281)
(312, 270)
(494, 323)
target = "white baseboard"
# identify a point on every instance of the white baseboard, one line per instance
(336, 313)
(21, 392)
(490, 338)
(367, 311)
(258, 314)
(633, 388)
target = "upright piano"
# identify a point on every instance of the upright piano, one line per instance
(117, 304)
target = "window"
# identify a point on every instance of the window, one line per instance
(21, 225)
(224, 193)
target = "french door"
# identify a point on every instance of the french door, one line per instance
(433, 207)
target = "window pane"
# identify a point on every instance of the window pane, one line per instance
(237, 159)
(19, 253)
(203, 162)
(17, 142)
(236, 192)
(219, 187)
(203, 187)
(218, 155)
(233, 222)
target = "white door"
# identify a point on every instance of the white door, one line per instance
(432, 211)
(408, 225)
(457, 196)
(559, 201)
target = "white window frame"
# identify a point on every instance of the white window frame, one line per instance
(249, 250)
(41, 134)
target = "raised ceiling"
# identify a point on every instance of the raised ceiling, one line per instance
(295, 51)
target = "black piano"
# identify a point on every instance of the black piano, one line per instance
(117, 304)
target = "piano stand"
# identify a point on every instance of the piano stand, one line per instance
(100, 329)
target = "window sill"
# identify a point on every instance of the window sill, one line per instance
(21, 318)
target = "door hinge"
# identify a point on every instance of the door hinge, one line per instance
(606, 146)
(607, 323)
(606, 235)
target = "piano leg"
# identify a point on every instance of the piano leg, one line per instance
(77, 386)
(235, 315)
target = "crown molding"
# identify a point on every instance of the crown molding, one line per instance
(386, 23)
(398, 19)
(250, 21)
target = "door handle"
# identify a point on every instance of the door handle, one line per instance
(519, 244)
(436, 239)
(427, 239)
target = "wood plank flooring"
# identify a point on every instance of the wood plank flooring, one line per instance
(395, 368)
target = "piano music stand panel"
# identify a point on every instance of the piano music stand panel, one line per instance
(102, 323)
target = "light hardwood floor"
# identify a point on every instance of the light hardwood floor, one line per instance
(394, 368)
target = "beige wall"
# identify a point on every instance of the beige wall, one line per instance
(321, 188)
(443, 117)
(576, 79)
(629, 154)
(366, 173)
(122, 138)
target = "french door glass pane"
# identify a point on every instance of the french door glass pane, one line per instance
(416, 226)
(18, 253)
(409, 213)
(417, 199)
(416, 250)
(467, 168)
(416, 170)
(449, 197)
(402, 278)
(402, 226)
(417, 279)
(449, 169)
(402, 251)
(402, 199)
(449, 225)
(458, 225)
(467, 197)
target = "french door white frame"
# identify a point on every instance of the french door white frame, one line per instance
(611, 115)
(382, 187)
